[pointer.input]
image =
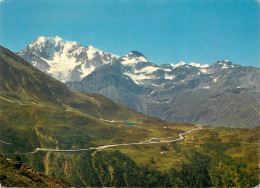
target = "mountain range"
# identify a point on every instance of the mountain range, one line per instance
(223, 94)
(38, 111)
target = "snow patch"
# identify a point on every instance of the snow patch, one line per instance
(139, 77)
(205, 71)
(150, 69)
(167, 70)
(61, 66)
(91, 51)
(156, 85)
(169, 77)
(86, 71)
(147, 70)
(40, 40)
(181, 63)
(199, 65)
(142, 59)
(224, 66)
(130, 60)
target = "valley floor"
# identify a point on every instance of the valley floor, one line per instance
(181, 137)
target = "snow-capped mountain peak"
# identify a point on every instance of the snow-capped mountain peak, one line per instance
(198, 65)
(48, 46)
(135, 54)
(223, 64)
(65, 60)
(181, 63)
(70, 61)
(55, 41)
(133, 58)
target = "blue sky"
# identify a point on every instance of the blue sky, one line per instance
(165, 31)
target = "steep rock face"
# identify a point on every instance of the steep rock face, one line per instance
(110, 81)
(221, 94)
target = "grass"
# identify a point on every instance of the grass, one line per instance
(29, 126)
(45, 126)
(216, 137)
(163, 160)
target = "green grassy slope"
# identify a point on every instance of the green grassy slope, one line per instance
(223, 157)
(13, 175)
(234, 142)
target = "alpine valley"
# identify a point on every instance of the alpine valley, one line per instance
(223, 94)
(54, 136)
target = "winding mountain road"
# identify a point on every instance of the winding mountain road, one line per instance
(181, 137)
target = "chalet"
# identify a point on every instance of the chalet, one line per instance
(154, 140)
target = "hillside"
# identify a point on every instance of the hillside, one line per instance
(13, 175)
(210, 157)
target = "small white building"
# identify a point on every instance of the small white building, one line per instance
(154, 140)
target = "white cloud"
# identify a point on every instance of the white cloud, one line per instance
(1, 1)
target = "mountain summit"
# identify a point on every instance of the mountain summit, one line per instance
(132, 58)
(64, 60)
